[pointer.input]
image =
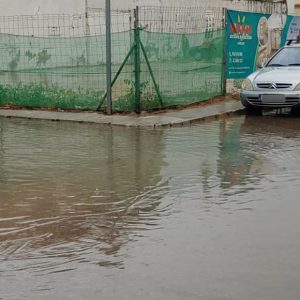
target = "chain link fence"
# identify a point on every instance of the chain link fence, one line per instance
(161, 57)
(58, 61)
(185, 48)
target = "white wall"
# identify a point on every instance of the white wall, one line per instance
(32, 7)
(291, 6)
(124, 4)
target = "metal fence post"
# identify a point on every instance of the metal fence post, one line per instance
(137, 61)
(224, 71)
(87, 33)
(108, 57)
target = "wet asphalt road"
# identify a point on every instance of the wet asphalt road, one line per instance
(209, 211)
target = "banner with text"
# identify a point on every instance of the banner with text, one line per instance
(252, 38)
(291, 31)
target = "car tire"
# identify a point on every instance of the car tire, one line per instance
(295, 111)
(254, 110)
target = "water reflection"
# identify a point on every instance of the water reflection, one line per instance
(254, 147)
(238, 164)
(2, 173)
(180, 213)
(76, 191)
(275, 140)
(66, 186)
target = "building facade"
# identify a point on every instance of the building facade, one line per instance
(297, 7)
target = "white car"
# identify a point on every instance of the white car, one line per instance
(275, 85)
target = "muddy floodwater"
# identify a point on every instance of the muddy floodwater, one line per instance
(210, 211)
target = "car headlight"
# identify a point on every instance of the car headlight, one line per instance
(247, 85)
(297, 88)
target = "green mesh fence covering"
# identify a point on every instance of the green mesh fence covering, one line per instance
(188, 68)
(55, 72)
(62, 65)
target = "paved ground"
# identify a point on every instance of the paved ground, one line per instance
(168, 118)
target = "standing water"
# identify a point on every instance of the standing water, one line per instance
(203, 212)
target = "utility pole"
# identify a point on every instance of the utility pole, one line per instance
(108, 56)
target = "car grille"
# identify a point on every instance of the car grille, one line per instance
(274, 105)
(273, 86)
(276, 100)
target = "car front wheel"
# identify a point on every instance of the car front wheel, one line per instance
(254, 110)
(295, 111)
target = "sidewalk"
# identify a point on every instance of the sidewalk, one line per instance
(168, 118)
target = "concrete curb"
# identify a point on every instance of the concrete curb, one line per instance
(164, 119)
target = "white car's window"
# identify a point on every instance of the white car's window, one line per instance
(286, 57)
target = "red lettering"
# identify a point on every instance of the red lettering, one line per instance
(240, 29)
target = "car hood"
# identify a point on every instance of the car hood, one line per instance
(277, 74)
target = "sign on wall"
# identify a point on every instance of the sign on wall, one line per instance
(292, 30)
(252, 39)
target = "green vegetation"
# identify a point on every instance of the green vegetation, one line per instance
(149, 98)
(49, 97)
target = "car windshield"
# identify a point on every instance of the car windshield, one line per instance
(286, 57)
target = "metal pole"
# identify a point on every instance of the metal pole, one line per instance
(118, 74)
(87, 32)
(108, 57)
(137, 60)
(152, 74)
(224, 67)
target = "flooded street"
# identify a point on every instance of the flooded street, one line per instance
(203, 212)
